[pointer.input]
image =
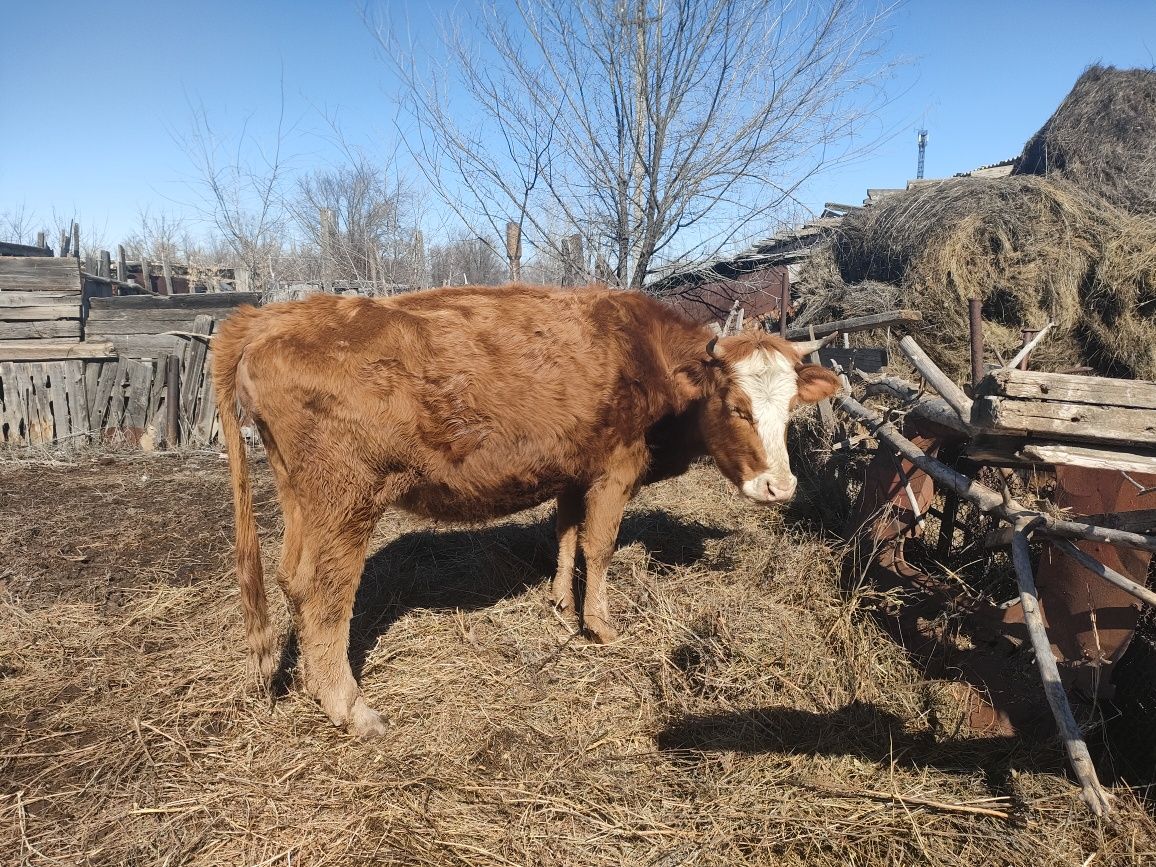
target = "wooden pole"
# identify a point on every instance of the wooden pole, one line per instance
(105, 264)
(1094, 794)
(65, 240)
(41, 239)
(785, 302)
(984, 497)
(167, 272)
(76, 239)
(514, 250)
(936, 378)
(121, 264)
(327, 277)
(146, 274)
(975, 324)
(173, 399)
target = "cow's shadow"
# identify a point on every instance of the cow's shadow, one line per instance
(468, 569)
(858, 729)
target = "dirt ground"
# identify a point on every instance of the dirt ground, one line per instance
(748, 715)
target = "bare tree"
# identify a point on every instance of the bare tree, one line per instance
(374, 232)
(18, 225)
(465, 260)
(659, 130)
(241, 192)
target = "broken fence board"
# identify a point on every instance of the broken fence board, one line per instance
(45, 350)
(73, 372)
(191, 375)
(57, 386)
(48, 329)
(1066, 388)
(1067, 420)
(858, 323)
(140, 378)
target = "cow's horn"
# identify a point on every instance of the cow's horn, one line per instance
(806, 347)
(712, 348)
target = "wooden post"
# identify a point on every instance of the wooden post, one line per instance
(121, 264)
(105, 264)
(65, 240)
(146, 275)
(76, 239)
(514, 250)
(41, 239)
(327, 276)
(975, 324)
(167, 272)
(173, 399)
(784, 302)
(1094, 795)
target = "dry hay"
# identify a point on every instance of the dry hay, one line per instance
(745, 718)
(1034, 249)
(1102, 137)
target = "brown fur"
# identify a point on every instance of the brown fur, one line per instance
(461, 404)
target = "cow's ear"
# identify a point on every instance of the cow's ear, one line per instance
(816, 383)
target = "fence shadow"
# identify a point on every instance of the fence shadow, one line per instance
(858, 729)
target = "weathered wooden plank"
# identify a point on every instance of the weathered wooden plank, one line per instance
(142, 345)
(858, 323)
(45, 312)
(57, 386)
(206, 412)
(198, 302)
(148, 315)
(40, 330)
(77, 398)
(33, 274)
(36, 299)
(868, 360)
(191, 375)
(7, 248)
(42, 427)
(140, 377)
(110, 376)
(156, 390)
(11, 408)
(1083, 456)
(105, 329)
(1066, 420)
(91, 378)
(45, 350)
(1035, 385)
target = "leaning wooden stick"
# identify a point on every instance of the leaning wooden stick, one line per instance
(936, 378)
(1108, 574)
(1094, 794)
(984, 497)
(1027, 348)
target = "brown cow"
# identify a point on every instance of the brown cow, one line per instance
(470, 403)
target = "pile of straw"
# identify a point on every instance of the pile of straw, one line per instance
(749, 715)
(1102, 137)
(1073, 246)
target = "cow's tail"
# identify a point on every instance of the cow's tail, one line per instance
(229, 345)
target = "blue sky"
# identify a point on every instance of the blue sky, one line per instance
(97, 96)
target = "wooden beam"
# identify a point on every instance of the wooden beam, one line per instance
(936, 378)
(44, 350)
(1094, 795)
(890, 318)
(40, 330)
(1066, 388)
(1065, 420)
(203, 301)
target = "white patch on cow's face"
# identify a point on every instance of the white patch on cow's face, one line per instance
(770, 382)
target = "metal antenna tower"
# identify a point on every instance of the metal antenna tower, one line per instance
(922, 149)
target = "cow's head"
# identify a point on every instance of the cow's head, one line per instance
(759, 380)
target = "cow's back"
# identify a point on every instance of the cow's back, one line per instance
(473, 401)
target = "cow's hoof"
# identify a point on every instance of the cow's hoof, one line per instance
(562, 606)
(365, 722)
(600, 631)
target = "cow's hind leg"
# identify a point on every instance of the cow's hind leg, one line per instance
(332, 558)
(571, 509)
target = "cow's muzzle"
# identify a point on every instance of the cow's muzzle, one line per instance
(768, 488)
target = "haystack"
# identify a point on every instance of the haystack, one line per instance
(1069, 238)
(1102, 137)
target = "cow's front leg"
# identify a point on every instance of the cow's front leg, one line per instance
(571, 508)
(605, 501)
